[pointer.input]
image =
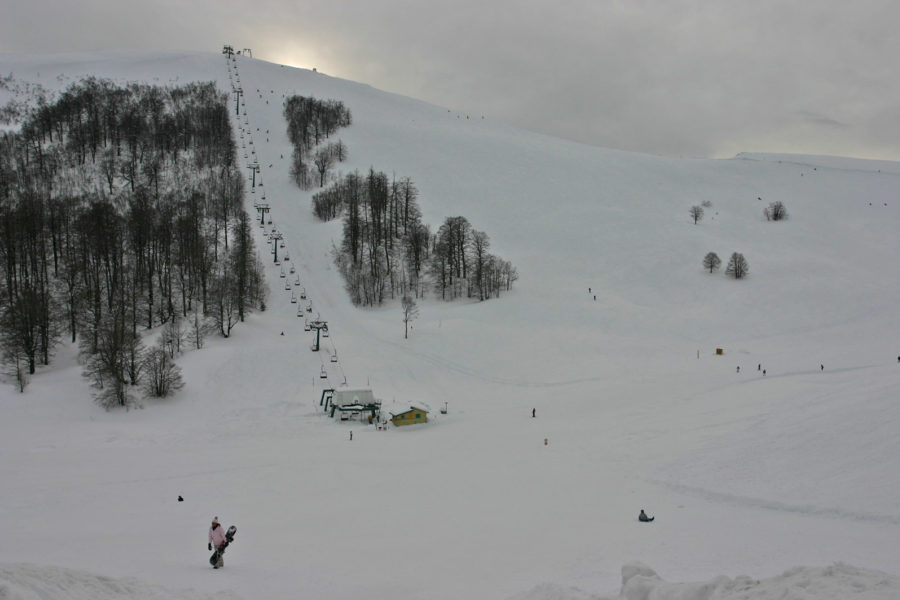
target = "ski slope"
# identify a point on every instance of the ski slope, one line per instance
(788, 478)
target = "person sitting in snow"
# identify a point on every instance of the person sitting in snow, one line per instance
(217, 539)
(644, 518)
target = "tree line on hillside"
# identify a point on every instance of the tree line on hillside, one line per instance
(309, 123)
(121, 209)
(386, 250)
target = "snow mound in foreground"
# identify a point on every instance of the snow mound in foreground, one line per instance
(837, 582)
(34, 582)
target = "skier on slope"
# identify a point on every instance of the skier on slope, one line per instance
(217, 539)
(644, 518)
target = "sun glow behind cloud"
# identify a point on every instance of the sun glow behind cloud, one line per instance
(291, 54)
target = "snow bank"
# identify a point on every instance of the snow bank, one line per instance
(34, 582)
(837, 582)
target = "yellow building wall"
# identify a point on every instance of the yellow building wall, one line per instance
(410, 418)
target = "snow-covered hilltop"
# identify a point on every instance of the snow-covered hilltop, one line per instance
(782, 451)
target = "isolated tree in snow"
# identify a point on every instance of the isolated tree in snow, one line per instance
(711, 261)
(737, 266)
(410, 312)
(696, 213)
(776, 211)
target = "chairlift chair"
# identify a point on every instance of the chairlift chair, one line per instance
(323, 374)
(325, 332)
(297, 281)
(282, 273)
(287, 285)
(299, 312)
(302, 292)
(293, 270)
(293, 297)
(334, 356)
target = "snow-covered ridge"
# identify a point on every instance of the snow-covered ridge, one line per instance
(836, 582)
(639, 582)
(829, 162)
(37, 582)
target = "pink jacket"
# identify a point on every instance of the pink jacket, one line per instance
(217, 536)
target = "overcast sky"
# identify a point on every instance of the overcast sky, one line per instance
(674, 77)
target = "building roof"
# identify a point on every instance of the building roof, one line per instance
(346, 397)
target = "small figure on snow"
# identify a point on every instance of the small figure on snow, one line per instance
(533, 413)
(217, 539)
(644, 518)
(821, 367)
(739, 368)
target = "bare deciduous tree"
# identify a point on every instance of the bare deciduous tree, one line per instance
(324, 159)
(199, 327)
(161, 375)
(410, 312)
(173, 335)
(776, 211)
(711, 261)
(737, 266)
(109, 365)
(696, 213)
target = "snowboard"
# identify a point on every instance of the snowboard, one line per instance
(217, 555)
(650, 520)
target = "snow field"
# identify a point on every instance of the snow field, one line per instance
(747, 474)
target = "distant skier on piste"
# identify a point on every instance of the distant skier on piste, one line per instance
(644, 518)
(219, 538)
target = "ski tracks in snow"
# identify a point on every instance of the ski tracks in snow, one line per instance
(773, 505)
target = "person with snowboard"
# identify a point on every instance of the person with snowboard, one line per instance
(217, 539)
(644, 518)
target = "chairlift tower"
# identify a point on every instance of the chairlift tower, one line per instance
(227, 50)
(238, 90)
(318, 326)
(276, 237)
(263, 209)
(254, 169)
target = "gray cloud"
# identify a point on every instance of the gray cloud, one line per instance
(680, 77)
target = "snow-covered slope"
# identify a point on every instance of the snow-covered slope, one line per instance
(747, 473)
